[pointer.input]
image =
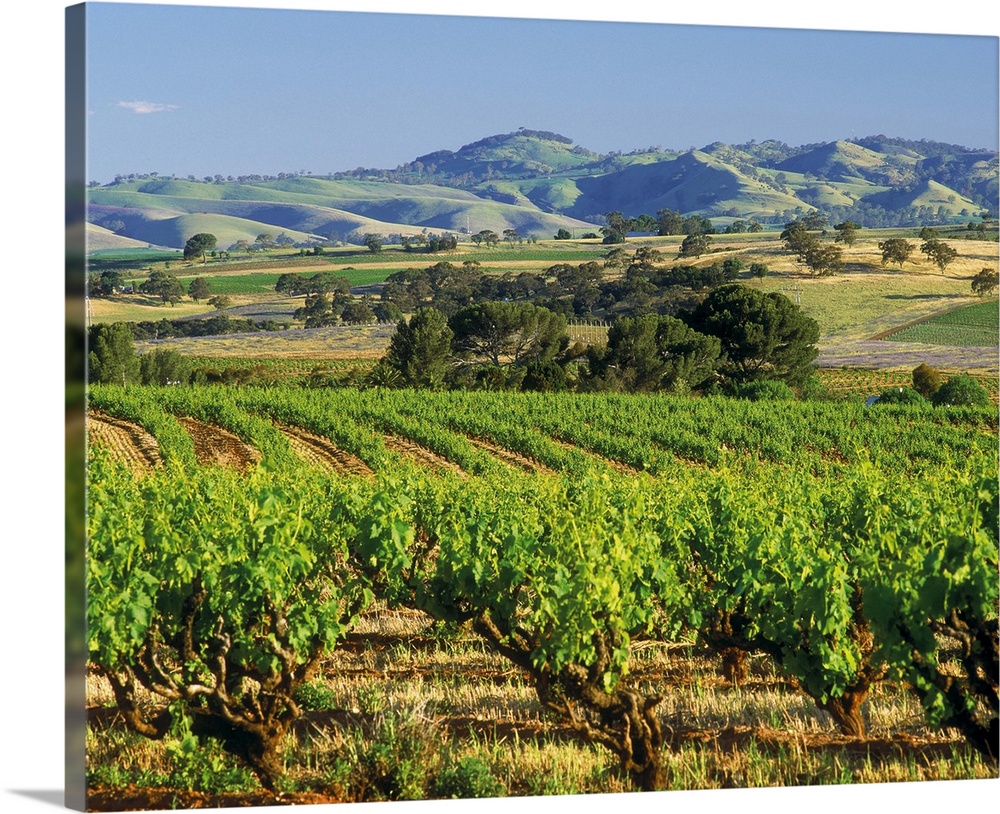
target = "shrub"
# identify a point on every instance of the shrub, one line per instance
(765, 390)
(901, 395)
(469, 778)
(962, 390)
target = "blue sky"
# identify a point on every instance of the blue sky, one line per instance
(204, 90)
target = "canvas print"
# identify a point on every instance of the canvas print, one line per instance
(517, 408)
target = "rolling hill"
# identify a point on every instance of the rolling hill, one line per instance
(537, 182)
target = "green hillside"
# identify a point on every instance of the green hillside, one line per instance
(928, 194)
(537, 182)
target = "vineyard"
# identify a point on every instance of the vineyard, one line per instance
(341, 595)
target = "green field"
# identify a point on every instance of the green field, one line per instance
(263, 283)
(972, 326)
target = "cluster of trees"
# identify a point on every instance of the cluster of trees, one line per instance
(490, 345)
(821, 258)
(218, 325)
(898, 250)
(329, 301)
(112, 359)
(322, 310)
(666, 222)
(930, 386)
(643, 286)
(735, 336)
(160, 283)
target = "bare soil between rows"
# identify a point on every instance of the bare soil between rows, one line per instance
(214, 445)
(126, 441)
(315, 449)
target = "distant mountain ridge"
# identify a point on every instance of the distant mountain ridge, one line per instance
(537, 182)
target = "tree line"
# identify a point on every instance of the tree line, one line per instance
(735, 336)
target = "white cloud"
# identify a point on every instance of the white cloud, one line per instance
(147, 107)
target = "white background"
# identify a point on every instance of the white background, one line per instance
(31, 715)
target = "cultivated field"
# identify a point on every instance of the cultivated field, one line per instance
(411, 700)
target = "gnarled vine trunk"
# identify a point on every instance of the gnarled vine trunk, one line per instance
(622, 720)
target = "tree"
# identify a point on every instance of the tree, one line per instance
(758, 270)
(824, 259)
(669, 222)
(926, 380)
(163, 366)
(654, 353)
(511, 236)
(798, 240)
(357, 312)
(563, 234)
(164, 285)
(199, 245)
(763, 336)
(814, 221)
(199, 289)
(961, 390)
(112, 358)
(373, 242)
(847, 232)
(616, 230)
(895, 250)
(939, 252)
(694, 245)
(420, 350)
(985, 283)
(220, 302)
(107, 284)
(507, 333)
(487, 236)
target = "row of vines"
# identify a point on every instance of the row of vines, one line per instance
(850, 546)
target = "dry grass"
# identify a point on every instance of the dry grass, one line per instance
(399, 684)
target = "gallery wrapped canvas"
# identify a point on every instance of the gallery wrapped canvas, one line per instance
(506, 408)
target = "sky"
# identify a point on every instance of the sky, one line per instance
(31, 59)
(205, 90)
